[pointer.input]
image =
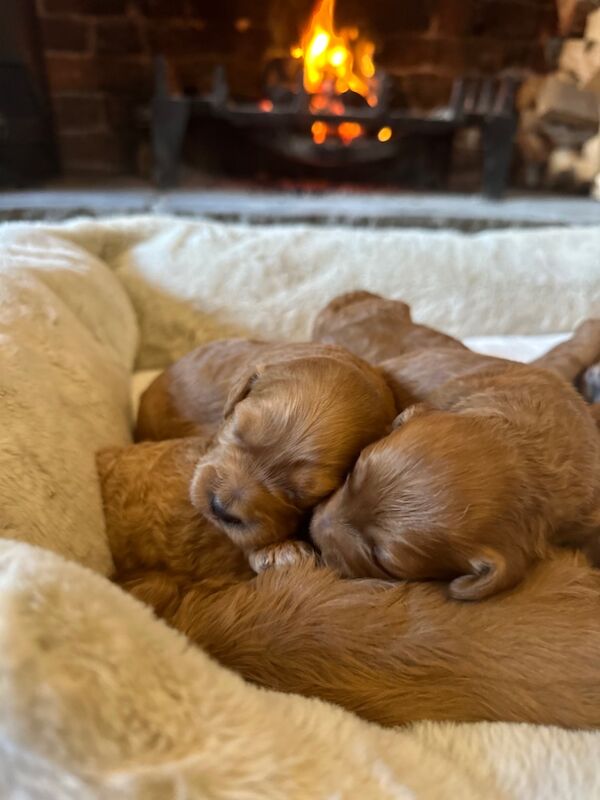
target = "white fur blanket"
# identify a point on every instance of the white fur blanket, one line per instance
(97, 698)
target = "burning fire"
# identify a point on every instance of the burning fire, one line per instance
(335, 61)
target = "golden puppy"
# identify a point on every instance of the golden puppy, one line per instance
(294, 425)
(473, 485)
(295, 418)
(392, 653)
(378, 329)
(150, 521)
(397, 653)
(375, 328)
(189, 397)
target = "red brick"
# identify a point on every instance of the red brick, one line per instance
(189, 39)
(65, 34)
(118, 37)
(120, 112)
(161, 9)
(79, 111)
(94, 152)
(527, 54)
(217, 11)
(94, 7)
(508, 18)
(422, 91)
(121, 74)
(70, 73)
(454, 17)
(404, 53)
(258, 13)
(415, 16)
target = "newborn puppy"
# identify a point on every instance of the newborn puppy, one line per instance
(188, 398)
(375, 328)
(378, 329)
(398, 653)
(150, 521)
(472, 486)
(295, 421)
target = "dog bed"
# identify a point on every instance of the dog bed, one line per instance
(97, 697)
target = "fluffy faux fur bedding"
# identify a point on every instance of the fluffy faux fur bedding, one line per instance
(97, 698)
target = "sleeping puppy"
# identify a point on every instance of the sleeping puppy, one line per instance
(295, 421)
(150, 521)
(395, 653)
(392, 653)
(189, 397)
(294, 418)
(472, 485)
(375, 328)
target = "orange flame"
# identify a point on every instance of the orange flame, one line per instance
(335, 61)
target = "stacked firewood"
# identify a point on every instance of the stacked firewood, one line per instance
(559, 133)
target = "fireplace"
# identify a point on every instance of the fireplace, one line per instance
(232, 95)
(330, 133)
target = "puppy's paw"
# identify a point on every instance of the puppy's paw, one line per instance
(590, 384)
(284, 554)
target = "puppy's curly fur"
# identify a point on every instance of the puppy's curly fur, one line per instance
(392, 653)
(295, 418)
(396, 653)
(150, 521)
(375, 328)
(188, 398)
(500, 461)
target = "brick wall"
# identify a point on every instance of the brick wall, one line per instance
(99, 54)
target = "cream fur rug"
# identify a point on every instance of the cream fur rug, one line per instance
(97, 698)
(190, 282)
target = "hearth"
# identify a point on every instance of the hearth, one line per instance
(328, 108)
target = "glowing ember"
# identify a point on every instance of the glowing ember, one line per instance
(348, 131)
(319, 132)
(335, 61)
(242, 24)
(384, 134)
(265, 105)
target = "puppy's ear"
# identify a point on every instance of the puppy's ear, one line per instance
(491, 572)
(410, 413)
(240, 388)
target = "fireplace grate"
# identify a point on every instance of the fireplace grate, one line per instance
(284, 126)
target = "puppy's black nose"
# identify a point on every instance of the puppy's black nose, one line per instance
(220, 512)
